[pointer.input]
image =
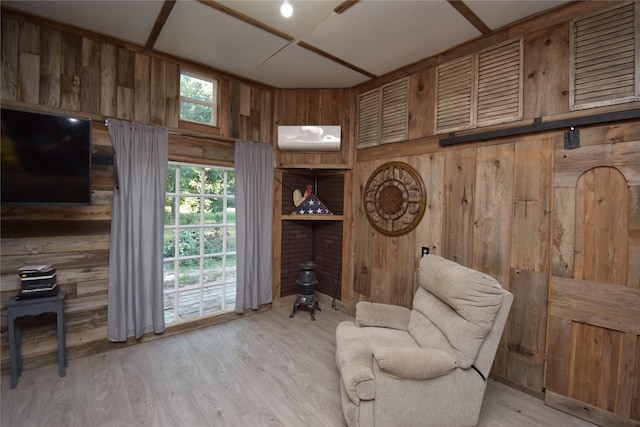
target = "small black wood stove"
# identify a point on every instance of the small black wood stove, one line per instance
(307, 282)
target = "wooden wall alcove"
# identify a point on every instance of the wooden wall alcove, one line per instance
(308, 240)
(294, 170)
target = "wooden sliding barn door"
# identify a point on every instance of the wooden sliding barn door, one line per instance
(593, 354)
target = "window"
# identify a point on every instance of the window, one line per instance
(199, 241)
(198, 99)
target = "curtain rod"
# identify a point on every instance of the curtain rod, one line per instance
(180, 132)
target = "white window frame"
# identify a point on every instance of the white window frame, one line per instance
(214, 98)
(173, 310)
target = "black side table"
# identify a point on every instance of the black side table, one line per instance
(33, 307)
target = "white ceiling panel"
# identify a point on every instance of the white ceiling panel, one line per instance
(210, 37)
(498, 13)
(307, 14)
(381, 36)
(297, 67)
(126, 20)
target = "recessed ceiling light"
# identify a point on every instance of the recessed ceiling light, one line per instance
(286, 9)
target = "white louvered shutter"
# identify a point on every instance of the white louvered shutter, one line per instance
(395, 113)
(500, 84)
(604, 53)
(383, 114)
(369, 118)
(454, 95)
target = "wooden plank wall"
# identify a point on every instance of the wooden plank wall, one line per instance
(58, 70)
(489, 204)
(488, 207)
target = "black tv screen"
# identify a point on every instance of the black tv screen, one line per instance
(46, 159)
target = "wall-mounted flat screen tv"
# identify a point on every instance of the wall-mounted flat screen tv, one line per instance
(46, 159)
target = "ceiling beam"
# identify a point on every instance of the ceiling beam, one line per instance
(344, 6)
(335, 59)
(468, 14)
(160, 21)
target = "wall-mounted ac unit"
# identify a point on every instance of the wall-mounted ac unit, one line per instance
(309, 138)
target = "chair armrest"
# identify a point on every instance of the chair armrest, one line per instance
(382, 315)
(413, 363)
(359, 383)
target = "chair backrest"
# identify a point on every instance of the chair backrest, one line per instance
(455, 308)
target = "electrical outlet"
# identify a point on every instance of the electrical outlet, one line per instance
(425, 250)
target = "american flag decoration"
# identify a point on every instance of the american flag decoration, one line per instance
(311, 206)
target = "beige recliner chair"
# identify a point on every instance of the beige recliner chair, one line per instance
(427, 366)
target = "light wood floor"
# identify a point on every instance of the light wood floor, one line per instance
(262, 370)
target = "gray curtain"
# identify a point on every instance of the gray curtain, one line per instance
(254, 224)
(135, 302)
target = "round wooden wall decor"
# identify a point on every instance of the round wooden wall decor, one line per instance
(394, 199)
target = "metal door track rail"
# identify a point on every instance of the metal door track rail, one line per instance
(540, 126)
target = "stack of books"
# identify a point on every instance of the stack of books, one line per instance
(37, 281)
